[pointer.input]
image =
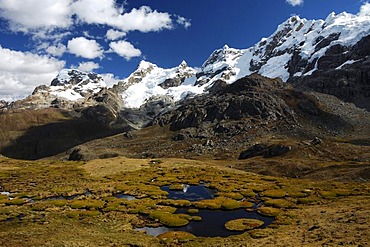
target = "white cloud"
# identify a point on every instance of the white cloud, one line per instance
(56, 50)
(52, 19)
(21, 72)
(183, 22)
(87, 66)
(110, 79)
(125, 49)
(108, 13)
(85, 48)
(294, 2)
(365, 9)
(36, 14)
(114, 34)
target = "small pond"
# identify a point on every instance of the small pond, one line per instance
(190, 192)
(125, 196)
(212, 223)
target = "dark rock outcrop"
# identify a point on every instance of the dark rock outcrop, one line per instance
(265, 151)
(343, 72)
(253, 96)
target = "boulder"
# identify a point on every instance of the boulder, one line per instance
(255, 150)
(265, 151)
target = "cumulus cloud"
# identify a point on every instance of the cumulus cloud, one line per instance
(87, 66)
(110, 79)
(108, 13)
(294, 2)
(35, 15)
(31, 15)
(85, 48)
(56, 50)
(365, 9)
(21, 72)
(114, 34)
(125, 49)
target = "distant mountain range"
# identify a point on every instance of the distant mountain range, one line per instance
(310, 78)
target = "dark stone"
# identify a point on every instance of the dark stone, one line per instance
(179, 137)
(79, 154)
(128, 135)
(276, 150)
(172, 82)
(316, 141)
(253, 151)
(265, 151)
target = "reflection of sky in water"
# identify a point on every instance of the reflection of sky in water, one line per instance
(154, 231)
(124, 196)
(191, 193)
(212, 223)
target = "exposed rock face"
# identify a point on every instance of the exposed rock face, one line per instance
(253, 96)
(264, 150)
(3, 104)
(343, 72)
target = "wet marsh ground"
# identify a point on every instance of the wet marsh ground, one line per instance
(54, 203)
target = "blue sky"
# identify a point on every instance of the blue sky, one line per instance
(40, 37)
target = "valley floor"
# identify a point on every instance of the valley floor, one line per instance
(55, 203)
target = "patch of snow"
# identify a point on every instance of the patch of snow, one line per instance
(345, 63)
(276, 67)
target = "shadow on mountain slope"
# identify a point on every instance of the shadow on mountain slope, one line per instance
(34, 140)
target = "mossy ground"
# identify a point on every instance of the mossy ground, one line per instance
(306, 211)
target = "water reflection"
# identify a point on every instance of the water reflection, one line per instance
(125, 196)
(190, 192)
(212, 223)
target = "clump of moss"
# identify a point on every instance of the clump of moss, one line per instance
(87, 204)
(243, 224)
(196, 218)
(176, 187)
(168, 219)
(310, 200)
(274, 193)
(248, 193)
(296, 194)
(208, 204)
(177, 236)
(260, 233)
(342, 192)
(232, 195)
(229, 204)
(193, 210)
(246, 204)
(16, 201)
(268, 211)
(59, 203)
(3, 197)
(327, 194)
(176, 203)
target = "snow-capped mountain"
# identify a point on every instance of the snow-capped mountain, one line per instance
(150, 81)
(299, 48)
(72, 84)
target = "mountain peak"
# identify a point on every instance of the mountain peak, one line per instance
(183, 64)
(145, 65)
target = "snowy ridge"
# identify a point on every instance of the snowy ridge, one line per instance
(271, 57)
(293, 50)
(147, 81)
(72, 84)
